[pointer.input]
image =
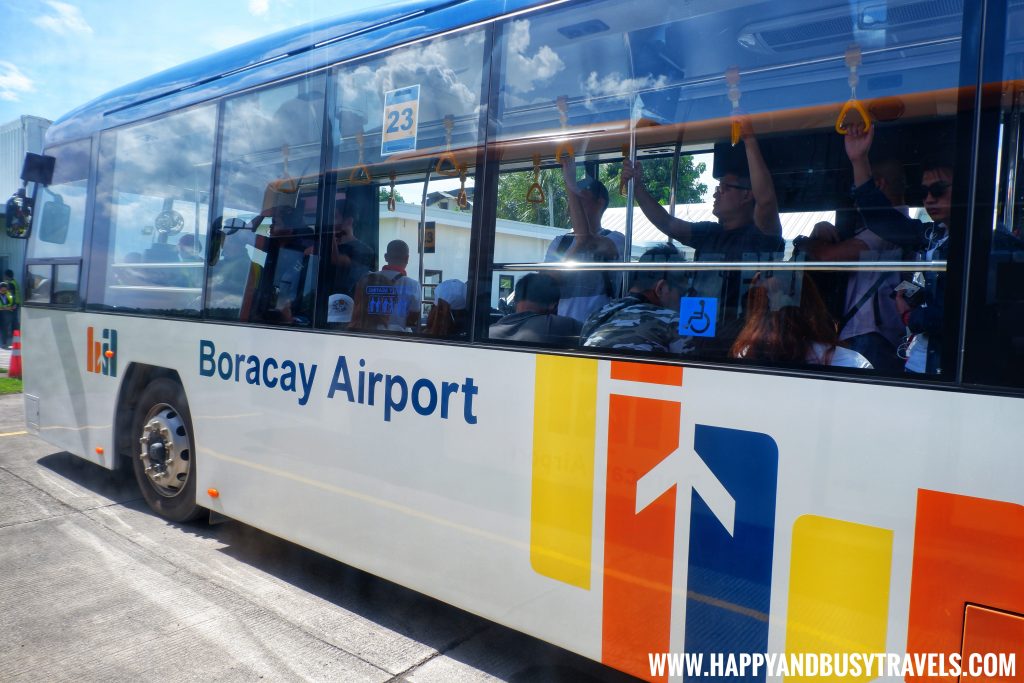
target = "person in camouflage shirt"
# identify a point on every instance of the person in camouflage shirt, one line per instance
(646, 319)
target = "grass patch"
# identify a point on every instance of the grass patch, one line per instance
(9, 386)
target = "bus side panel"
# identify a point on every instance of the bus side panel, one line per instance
(71, 363)
(411, 461)
(428, 465)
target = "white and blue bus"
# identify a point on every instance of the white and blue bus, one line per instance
(272, 280)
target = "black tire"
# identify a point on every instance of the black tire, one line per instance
(163, 451)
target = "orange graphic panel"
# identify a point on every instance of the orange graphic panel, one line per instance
(672, 375)
(966, 550)
(988, 633)
(638, 547)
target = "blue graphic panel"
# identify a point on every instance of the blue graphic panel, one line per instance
(729, 577)
(697, 316)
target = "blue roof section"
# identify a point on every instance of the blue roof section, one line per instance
(280, 54)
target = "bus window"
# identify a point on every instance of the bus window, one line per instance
(996, 337)
(59, 227)
(627, 80)
(405, 129)
(263, 263)
(152, 227)
(60, 206)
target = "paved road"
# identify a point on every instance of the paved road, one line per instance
(95, 588)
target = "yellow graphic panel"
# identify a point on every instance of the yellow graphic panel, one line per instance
(838, 590)
(564, 421)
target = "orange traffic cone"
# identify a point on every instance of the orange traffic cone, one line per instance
(14, 372)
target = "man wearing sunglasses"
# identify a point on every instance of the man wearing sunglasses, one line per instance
(748, 229)
(928, 240)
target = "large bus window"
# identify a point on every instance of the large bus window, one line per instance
(996, 339)
(263, 263)
(773, 99)
(153, 214)
(60, 207)
(405, 128)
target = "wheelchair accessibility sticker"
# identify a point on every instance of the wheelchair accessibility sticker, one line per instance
(697, 316)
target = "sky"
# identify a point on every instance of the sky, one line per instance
(56, 55)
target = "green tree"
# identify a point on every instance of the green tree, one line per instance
(512, 198)
(658, 180)
(513, 188)
(383, 193)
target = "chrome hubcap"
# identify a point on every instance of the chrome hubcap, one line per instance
(164, 450)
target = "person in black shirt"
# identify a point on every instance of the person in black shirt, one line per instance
(351, 258)
(748, 229)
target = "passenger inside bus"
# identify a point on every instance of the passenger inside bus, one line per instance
(647, 318)
(748, 229)
(867, 319)
(448, 317)
(536, 316)
(924, 317)
(584, 292)
(405, 311)
(787, 322)
(351, 258)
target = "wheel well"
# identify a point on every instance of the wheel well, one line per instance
(136, 377)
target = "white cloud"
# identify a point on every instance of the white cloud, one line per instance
(522, 70)
(616, 84)
(259, 7)
(64, 19)
(13, 82)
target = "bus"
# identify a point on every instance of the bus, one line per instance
(268, 281)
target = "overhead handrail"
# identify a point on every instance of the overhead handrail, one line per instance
(732, 79)
(697, 266)
(564, 147)
(853, 61)
(535, 194)
(452, 169)
(286, 184)
(360, 168)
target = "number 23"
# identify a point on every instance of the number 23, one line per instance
(394, 116)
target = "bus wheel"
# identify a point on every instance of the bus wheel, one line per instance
(164, 460)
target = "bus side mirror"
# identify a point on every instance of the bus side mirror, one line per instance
(218, 231)
(38, 168)
(18, 215)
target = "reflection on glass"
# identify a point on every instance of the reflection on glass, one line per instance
(158, 175)
(754, 90)
(403, 119)
(40, 283)
(263, 261)
(60, 207)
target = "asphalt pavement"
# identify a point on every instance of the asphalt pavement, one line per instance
(93, 587)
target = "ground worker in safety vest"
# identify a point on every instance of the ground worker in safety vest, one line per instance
(12, 287)
(7, 308)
